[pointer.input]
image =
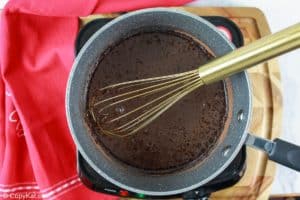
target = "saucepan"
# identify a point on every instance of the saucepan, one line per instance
(227, 149)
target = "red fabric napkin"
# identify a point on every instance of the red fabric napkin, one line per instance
(37, 153)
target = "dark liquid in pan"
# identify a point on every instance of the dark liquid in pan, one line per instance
(189, 130)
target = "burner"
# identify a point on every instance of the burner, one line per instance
(231, 175)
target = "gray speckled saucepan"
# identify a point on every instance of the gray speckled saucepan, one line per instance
(128, 177)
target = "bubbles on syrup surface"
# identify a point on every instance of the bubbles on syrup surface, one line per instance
(120, 109)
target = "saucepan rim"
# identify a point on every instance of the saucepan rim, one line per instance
(131, 179)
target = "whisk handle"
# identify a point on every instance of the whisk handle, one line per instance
(250, 55)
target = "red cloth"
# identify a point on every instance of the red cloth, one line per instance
(37, 154)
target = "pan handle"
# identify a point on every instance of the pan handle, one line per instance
(278, 150)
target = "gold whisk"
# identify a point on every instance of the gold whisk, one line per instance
(160, 93)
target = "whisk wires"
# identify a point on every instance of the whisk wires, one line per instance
(156, 94)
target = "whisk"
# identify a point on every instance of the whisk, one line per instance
(149, 98)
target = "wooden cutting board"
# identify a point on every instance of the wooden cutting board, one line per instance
(267, 102)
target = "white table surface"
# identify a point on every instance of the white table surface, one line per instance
(280, 14)
(2, 3)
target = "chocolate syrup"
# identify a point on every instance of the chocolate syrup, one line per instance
(185, 133)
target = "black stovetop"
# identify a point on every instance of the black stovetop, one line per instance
(231, 175)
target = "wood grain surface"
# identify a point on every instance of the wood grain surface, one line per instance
(266, 105)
